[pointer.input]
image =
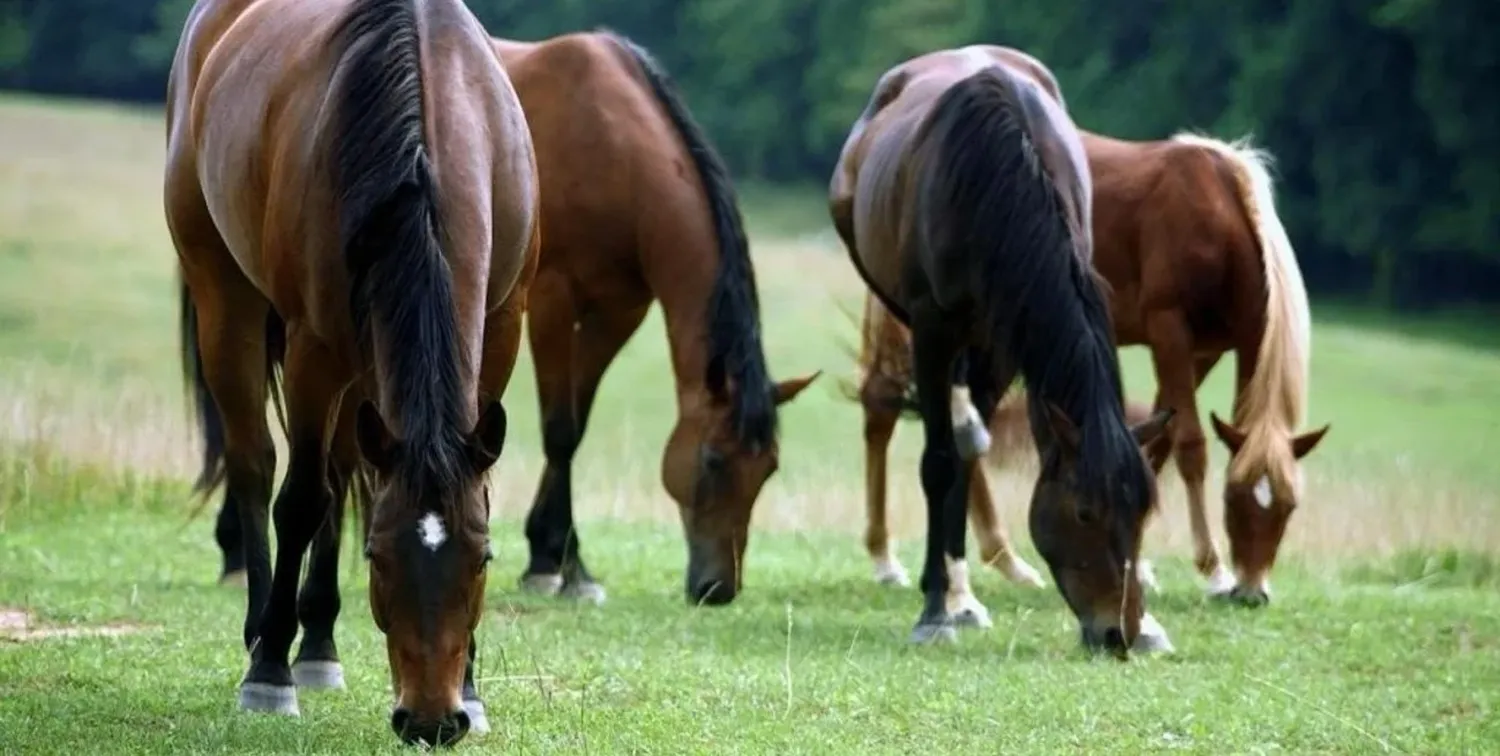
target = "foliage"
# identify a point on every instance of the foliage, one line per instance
(1386, 137)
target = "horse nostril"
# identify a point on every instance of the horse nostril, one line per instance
(400, 719)
(461, 721)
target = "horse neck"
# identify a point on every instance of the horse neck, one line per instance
(684, 286)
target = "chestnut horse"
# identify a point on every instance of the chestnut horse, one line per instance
(356, 178)
(639, 207)
(882, 387)
(963, 198)
(1199, 265)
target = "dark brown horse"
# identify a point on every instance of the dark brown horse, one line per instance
(352, 192)
(963, 198)
(882, 387)
(1199, 265)
(638, 207)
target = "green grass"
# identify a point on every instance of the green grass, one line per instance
(1385, 631)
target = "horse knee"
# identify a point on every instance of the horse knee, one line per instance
(1191, 453)
(559, 437)
(879, 427)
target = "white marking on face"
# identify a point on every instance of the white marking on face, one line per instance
(431, 529)
(1263, 492)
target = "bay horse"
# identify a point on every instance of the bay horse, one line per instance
(963, 199)
(351, 189)
(1199, 264)
(883, 388)
(639, 207)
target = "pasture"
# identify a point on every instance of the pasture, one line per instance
(1384, 633)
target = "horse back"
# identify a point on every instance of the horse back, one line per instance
(1172, 235)
(619, 179)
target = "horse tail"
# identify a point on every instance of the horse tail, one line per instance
(735, 351)
(205, 412)
(1280, 376)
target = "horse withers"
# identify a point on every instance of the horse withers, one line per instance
(352, 192)
(963, 197)
(639, 207)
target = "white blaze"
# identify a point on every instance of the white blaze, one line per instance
(1263, 492)
(432, 531)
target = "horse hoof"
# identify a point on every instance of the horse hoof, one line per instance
(584, 592)
(272, 699)
(1221, 584)
(1152, 638)
(544, 585)
(890, 572)
(318, 675)
(479, 724)
(971, 438)
(1017, 571)
(973, 616)
(234, 579)
(934, 633)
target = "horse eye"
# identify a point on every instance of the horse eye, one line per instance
(489, 553)
(368, 551)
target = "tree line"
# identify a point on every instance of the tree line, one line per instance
(1387, 141)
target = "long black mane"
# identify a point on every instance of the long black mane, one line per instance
(986, 189)
(735, 351)
(401, 288)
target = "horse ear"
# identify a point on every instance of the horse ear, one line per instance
(1147, 431)
(786, 391)
(373, 437)
(488, 437)
(1230, 435)
(1306, 442)
(1063, 428)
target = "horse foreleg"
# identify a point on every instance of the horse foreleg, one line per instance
(311, 386)
(944, 485)
(318, 603)
(1173, 359)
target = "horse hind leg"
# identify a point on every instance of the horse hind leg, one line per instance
(302, 507)
(227, 534)
(880, 418)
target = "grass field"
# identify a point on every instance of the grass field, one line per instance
(1384, 636)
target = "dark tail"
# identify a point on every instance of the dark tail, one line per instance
(206, 414)
(735, 349)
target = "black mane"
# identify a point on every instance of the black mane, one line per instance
(734, 348)
(401, 289)
(1043, 307)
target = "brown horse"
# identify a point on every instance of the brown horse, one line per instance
(1199, 265)
(356, 178)
(963, 198)
(638, 207)
(883, 388)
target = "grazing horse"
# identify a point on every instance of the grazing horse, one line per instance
(356, 179)
(1200, 264)
(963, 198)
(882, 387)
(638, 207)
